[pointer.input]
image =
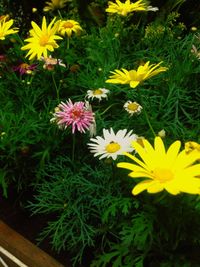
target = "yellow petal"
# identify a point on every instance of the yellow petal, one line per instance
(141, 187)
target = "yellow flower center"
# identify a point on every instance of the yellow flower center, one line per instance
(163, 175)
(133, 106)
(68, 25)
(97, 92)
(44, 40)
(112, 147)
(24, 66)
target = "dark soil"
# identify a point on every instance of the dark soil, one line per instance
(13, 213)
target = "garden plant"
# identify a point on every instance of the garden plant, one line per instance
(100, 121)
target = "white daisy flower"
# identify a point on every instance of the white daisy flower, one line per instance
(132, 107)
(112, 145)
(98, 93)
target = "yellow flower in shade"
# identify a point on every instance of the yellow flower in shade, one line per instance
(135, 77)
(42, 39)
(125, 8)
(171, 170)
(192, 147)
(5, 27)
(54, 4)
(69, 26)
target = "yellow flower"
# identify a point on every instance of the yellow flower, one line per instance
(135, 77)
(54, 4)
(5, 27)
(171, 170)
(125, 8)
(69, 26)
(42, 39)
(192, 147)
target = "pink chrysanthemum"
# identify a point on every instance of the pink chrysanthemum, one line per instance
(77, 115)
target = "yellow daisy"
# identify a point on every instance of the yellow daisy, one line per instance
(135, 77)
(5, 27)
(69, 26)
(125, 8)
(171, 170)
(42, 39)
(54, 4)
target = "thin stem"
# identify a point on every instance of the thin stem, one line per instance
(59, 14)
(107, 109)
(73, 146)
(56, 87)
(148, 121)
(19, 39)
(146, 115)
(68, 43)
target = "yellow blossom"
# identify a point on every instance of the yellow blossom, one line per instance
(159, 169)
(192, 147)
(54, 4)
(5, 27)
(135, 77)
(69, 26)
(125, 8)
(42, 39)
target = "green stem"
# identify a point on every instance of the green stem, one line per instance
(56, 87)
(59, 14)
(107, 109)
(73, 146)
(67, 43)
(146, 115)
(19, 39)
(148, 121)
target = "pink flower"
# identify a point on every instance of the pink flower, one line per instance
(78, 115)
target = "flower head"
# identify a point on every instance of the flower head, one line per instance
(77, 115)
(112, 145)
(162, 133)
(5, 27)
(99, 93)
(125, 8)
(132, 107)
(42, 39)
(135, 77)
(25, 68)
(171, 170)
(50, 62)
(68, 26)
(192, 147)
(54, 4)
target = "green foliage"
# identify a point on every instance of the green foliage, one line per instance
(87, 202)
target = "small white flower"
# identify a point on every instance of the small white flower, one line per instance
(132, 107)
(151, 8)
(98, 93)
(112, 145)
